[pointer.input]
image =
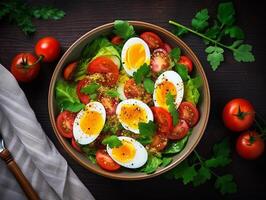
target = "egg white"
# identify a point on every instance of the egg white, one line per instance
(81, 137)
(176, 80)
(133, 102)
(129, 43)
(140, 157)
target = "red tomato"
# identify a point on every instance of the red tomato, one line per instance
(152, 39)
(109, 104)
(132, 90)
(189, 113)
(23, 67)
(84, 98)
(159, 60)
(69, 70)
(249, 145)
(106, 67)
(184, 60)
(116, 40)
(49, 48)
(179, 131)
(64, 123)
(163, 120)
(167, 47)
(159, 142)
(105, 161)
(238, 114)
(75, 145)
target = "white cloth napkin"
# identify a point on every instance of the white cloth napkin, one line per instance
(35, 154)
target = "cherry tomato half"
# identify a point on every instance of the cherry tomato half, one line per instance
(159, 141)
(23, 67)
(109, 104)
(238, 114)
(116, 40)
(159, 60)
(167, 47)
(64, 123)
(189, 113)
(69, 70)
(184, 60)
(49, 48)
(84, 98)
(75, 145)
(152, 39)
(249, 145)
(105, 161)
(163, 120)
(179, 131)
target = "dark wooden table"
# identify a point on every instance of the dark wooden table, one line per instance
(231, 80)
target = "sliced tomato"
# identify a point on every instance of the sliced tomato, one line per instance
(132, 90)
(84, 98)
(167, 47)
(109, 104)
(69, 70)
(106, 67)
(189, 113)
(159, 60)
(152, 39)
(163, 120)
(75, 145)
(184, 60)
(64, 123)
(179, 131)
(159, 141)
(105, 161)
(116, 40)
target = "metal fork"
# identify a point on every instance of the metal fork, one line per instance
(14, 168)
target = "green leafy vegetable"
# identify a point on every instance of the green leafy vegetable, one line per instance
(200, 21)
(235, 32)
(226, 13)
(66, 96)
(90, 89)
(112, 141)
(91, 49)
(243, 53)
(146, 131)
(152, 164)
(202, 176)
(182, 71)
(215, 56)
(166, 161)
(191, 90)
(176, 147)
(90, 152)
(123, 29)
(175, 54)
(22, 14)
(81, 69)
(148, 85)
(112, 93)
(141, 73)
(170, 101)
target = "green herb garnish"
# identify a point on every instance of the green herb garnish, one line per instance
(112, 93)
(112, 141)
(90, 89)
(148, 85)
(141, 73)
(170, 101)
(146, 132)
(123, 29)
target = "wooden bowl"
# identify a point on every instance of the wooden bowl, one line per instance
(73, 53)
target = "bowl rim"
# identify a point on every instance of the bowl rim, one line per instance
(111, 175)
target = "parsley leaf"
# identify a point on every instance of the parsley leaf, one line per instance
(176, 147)
(141, 73)
(73, 107)
(175, 54)
(178, 31)
(182, 71)
(48, 12)
(202, 176)
(112, 93)
(148, 85)
(112, 141)
(170, 101)
(200, 21)
(146, 132)
(243, 53)
(235, 32)
(225, 184)
(226, 13)
(90, 89)
(215, 56)
(123, 29)
(152, 164)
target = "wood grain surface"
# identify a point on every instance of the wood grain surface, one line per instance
(232, 80)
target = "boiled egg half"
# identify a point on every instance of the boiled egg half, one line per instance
(89, 123)
(131, 112)
(169, 81)
(135, 53)
(130, 154)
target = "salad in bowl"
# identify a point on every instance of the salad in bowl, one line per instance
(129, 101)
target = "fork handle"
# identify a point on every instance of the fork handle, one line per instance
(22, 180)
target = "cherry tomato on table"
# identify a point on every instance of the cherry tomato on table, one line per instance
(84, 98)
(105, 161)
(159, 60)
(159, 141)
(184, 60)
(249, 145)
(132, 90)
(49, 48)
(179, 131)
(238, 114)
(64, 123)
(152, 39)
(25, 67)
(189, 113)
(69, 70)
(163, 120)
(106, 67)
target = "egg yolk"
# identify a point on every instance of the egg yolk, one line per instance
(135, 56)
(91, 123)
(162, 90)
(124, 153)
(131, 115)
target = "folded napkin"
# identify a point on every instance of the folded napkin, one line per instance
(35, 154)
